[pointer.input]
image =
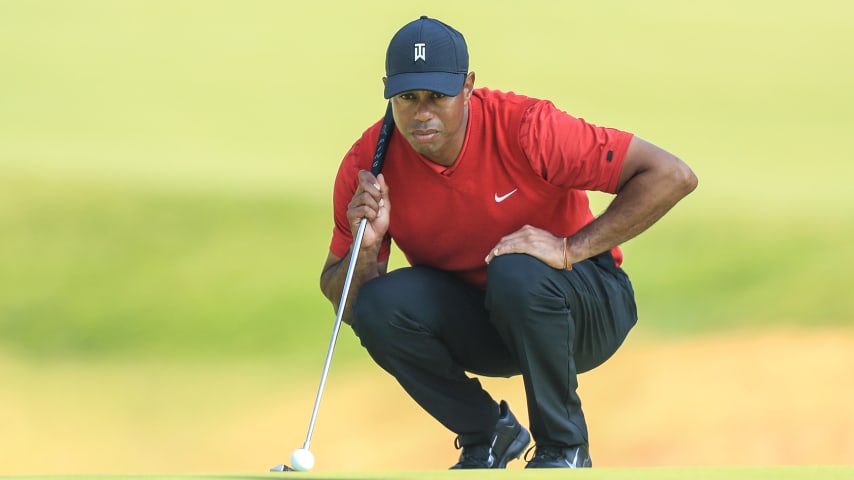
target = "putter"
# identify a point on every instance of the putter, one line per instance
(386, 130)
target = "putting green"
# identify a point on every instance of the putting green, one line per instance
(744, 473)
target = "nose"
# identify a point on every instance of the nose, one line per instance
(423, 112)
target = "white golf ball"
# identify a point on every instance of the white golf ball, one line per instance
(302, 459)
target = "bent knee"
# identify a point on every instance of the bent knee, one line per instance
(369, 320)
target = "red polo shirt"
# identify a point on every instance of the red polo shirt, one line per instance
(524, 162)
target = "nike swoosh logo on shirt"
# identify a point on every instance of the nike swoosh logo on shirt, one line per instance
(504, 197)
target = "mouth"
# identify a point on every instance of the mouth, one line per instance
(425, 135)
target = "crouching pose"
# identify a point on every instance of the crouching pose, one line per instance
(484, 192)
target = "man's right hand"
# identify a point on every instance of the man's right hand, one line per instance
(370, 201)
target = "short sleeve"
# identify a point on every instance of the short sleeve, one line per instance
(569, 152)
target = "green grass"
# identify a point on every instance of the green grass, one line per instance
(105, 270)
(742, 473)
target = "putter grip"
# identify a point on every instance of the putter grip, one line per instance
(384, 139)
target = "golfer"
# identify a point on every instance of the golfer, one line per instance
(510, 273)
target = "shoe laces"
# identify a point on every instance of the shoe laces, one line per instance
(474, 455)
(543, 453)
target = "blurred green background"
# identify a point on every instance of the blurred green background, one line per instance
(166, 167)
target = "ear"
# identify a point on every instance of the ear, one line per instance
(468, 85)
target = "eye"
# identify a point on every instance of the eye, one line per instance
(407, 96)
(438, 96)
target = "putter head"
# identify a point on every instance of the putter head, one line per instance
(282, 468)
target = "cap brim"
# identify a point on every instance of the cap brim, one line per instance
(441, 82)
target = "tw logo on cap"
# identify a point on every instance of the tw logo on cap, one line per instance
(420, 52)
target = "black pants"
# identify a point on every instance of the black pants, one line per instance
(428, 328)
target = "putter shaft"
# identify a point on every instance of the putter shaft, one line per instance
(357, 244)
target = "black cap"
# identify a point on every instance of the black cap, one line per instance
(426, 54)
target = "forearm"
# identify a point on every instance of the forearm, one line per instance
(642, 200)
(333, 278)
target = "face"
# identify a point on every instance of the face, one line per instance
(434, 124)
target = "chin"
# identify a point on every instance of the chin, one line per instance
(424, 148)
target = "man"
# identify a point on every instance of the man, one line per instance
(485, 194)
